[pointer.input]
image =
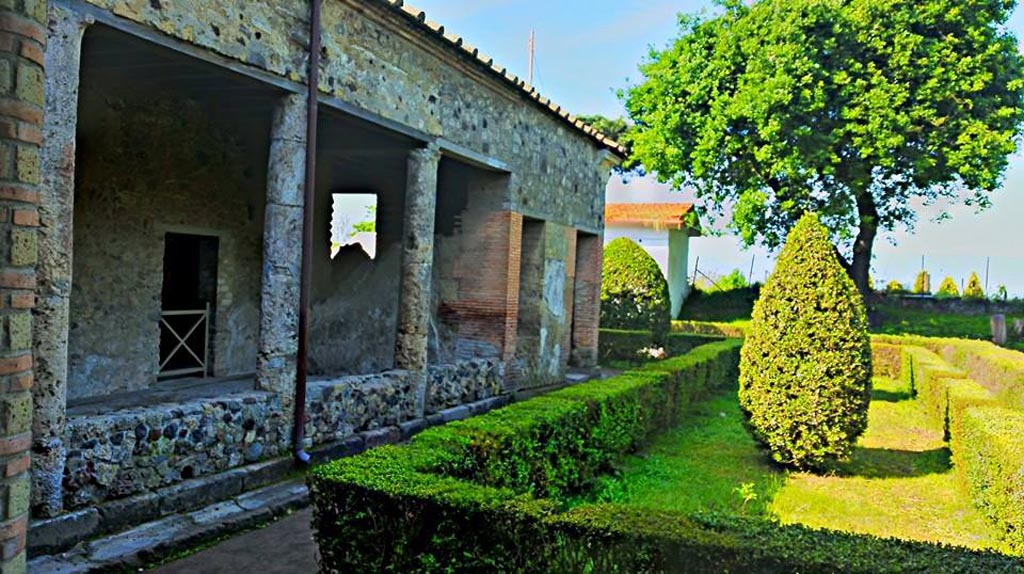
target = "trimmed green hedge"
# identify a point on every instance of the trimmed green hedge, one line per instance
(467, 497)
(990, 455)
(984, 435)
(623, 345)
(999, 370)
(736, 329)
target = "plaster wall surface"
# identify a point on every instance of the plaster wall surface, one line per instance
(146, 168)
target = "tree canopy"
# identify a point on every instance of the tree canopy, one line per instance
(857, 110)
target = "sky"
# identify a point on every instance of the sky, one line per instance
(586, 50)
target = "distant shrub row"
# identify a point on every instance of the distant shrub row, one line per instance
(947, 289)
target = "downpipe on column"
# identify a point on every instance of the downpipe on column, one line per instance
(306, 273)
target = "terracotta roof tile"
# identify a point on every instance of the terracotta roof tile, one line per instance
(419, 18)
(657, 215)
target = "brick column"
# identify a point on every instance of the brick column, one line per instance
(282, 251)
(417, 266)
(488, 303)
(22, 41)
(586, 300)
(53, 291)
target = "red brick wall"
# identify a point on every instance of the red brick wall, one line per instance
(22, 41)
(488, 275)
(586, 300)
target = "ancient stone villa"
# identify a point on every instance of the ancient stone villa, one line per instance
(152, 198)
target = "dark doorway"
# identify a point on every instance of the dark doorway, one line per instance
(187, 300)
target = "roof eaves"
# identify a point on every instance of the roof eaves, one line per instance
(419, 18)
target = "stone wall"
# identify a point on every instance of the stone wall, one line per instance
(146, 168)
(377, 61)
(142, 449)
(138, 450)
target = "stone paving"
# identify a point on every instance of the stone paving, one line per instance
(285, 547)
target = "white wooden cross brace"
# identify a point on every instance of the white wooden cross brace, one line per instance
(181, 342)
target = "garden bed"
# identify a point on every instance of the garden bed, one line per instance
(899, 483)
(502, 492)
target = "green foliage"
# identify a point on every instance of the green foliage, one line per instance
(730, 282)
(895, 287)
(369, 225)
(990, 455)
(617, 345)
(634, 293)
(851, 109)
(948, 289)
(724, 305)
(982, 421)
(439, 505)
(923, 283)
(805, 375)
(618, 128)
(1001, 293)
(974, 290)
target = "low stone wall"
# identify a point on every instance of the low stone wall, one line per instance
(142, 449)
(463, 382)
(137, 450)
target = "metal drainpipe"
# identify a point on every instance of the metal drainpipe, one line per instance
(305, 280)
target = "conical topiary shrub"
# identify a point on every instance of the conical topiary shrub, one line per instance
(974, 290)
(634, 293)
(948, 289)
(805, 370)
(923, 283)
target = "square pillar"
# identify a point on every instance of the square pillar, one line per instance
(53, 280)
(282, 251)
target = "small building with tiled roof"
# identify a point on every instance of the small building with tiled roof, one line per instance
(664, 231)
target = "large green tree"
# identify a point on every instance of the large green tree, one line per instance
(857, 110)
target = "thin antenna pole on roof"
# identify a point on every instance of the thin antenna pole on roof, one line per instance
(532, 48)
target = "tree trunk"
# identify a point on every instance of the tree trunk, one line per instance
(860, 267)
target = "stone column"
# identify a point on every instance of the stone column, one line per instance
(53, 289)
(417, 263)
(22, 44)
(282, 251)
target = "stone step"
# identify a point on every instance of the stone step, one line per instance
(149, 542)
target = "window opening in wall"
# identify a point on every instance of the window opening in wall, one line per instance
(354, 222)
(187, 302)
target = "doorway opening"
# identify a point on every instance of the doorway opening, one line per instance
(187, 301)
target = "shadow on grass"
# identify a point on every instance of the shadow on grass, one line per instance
(887, 463)
(891, 396)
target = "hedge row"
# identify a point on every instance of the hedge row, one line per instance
(469, 497)
(984, 435)
(999, 370)
(624, 345)
(736, 329)
(989, 454)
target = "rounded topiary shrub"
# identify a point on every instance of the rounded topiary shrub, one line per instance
(805, 371)
(634, 293)
(895, 287)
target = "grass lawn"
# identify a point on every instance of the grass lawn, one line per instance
(899, 482)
